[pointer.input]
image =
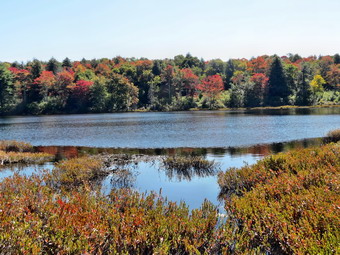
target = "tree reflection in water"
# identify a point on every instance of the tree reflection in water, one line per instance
(123, 178)
(185, 168)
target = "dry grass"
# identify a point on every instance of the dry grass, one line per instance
(7, 158)
(334, 135)
(15, 146)
(77, 171)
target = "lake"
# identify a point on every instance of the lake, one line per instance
(230, 138)
(172, 129)
(151, 176)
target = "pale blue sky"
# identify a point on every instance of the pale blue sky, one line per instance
(162, 29)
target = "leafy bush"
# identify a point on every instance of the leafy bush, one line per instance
(35, 218)
(285, 204)
(77, 171)
(182, 104)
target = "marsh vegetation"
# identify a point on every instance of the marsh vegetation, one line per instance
(284, 204)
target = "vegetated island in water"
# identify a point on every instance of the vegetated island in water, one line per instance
(285, 204)
(183, 83)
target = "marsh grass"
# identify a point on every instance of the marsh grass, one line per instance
(334, 135)
(77, 171)
(37, 219)
(182, 167)
(15, 146)
(8, 158)
(14, 152)
(285, 204)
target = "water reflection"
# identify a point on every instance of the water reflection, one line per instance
(66, 152)
(193, 185)
(124, 178)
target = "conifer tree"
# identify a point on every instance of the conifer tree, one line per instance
(304, 92)
(36, 69)
(278, 88)
(6, 89)
(53, 65)
(66, 63)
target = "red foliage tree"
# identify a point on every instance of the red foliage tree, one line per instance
(211, 86)
(81, 88)
(45, 81)
(22, 81)
(46, 78)
(260, 80)
(189, 81)
(257, 65)
(65, 78)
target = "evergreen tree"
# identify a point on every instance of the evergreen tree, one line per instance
(36, 68)
(336, 59)
(278, 88)
(6, 89)
(157, 67)
(66, 63)
(304, 92)
(229, 72)
(53, 65)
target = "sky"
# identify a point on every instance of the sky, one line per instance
(158, 29)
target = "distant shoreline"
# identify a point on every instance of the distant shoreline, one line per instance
(284, 107)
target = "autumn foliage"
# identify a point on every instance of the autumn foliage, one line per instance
(181, 83)
(285, 204)
(211, 86)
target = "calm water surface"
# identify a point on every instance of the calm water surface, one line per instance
(172, 129)
(153, 177)
(230, 138)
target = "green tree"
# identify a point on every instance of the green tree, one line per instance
(36, 68)
(123, 93)
(336, 59)
(66, 63)
(278, 88)
(53, 66)
(229, 73)
(6, 89)
(304, 92)
(99, 95)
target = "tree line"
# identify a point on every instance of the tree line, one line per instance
(181, 83)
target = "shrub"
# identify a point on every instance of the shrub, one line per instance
(35, 219)
(77, 171)
(11, 157)
(285, 204)
(10, 145)
(334, 135)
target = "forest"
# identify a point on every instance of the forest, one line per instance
(182, 83)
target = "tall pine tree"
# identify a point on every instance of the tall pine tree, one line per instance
(6, 90)
(278, 88)
(304, 91)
